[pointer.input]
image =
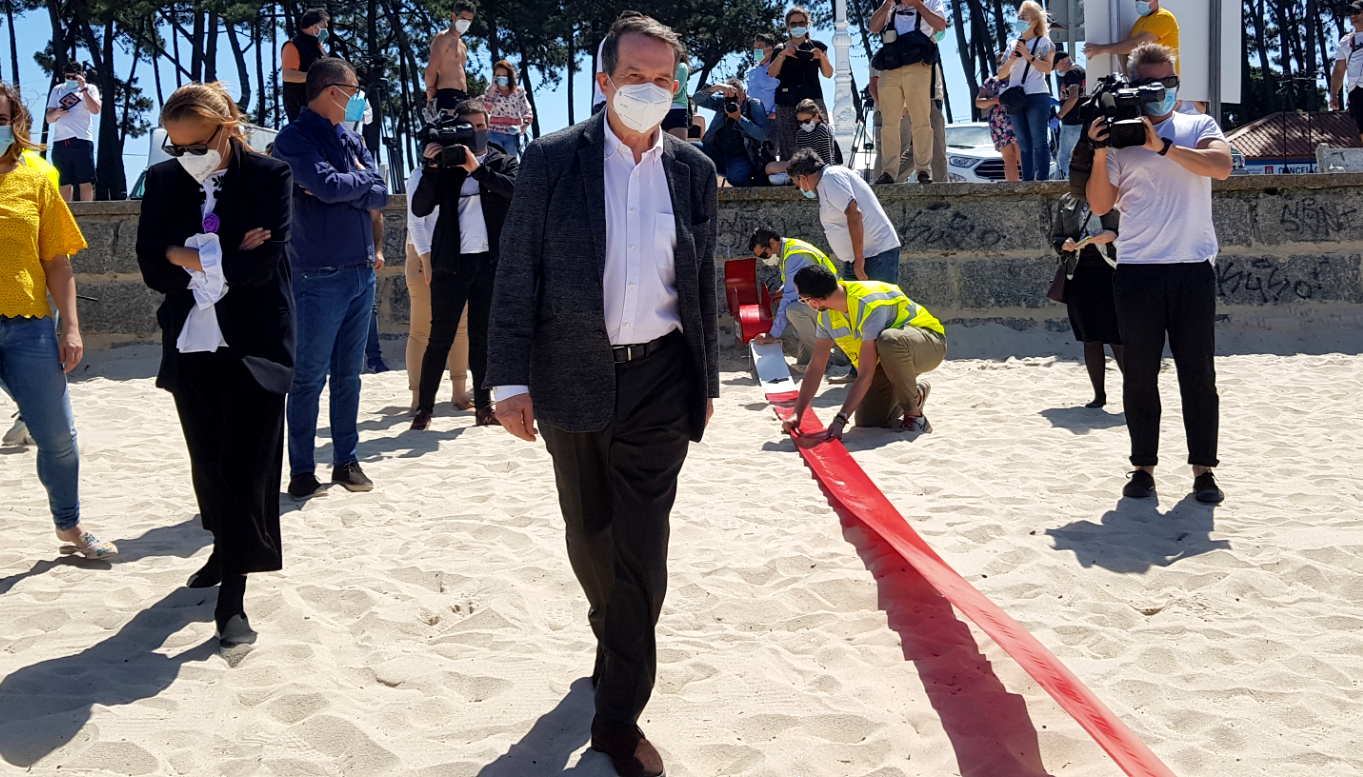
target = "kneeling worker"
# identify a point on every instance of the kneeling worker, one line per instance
(890, 338)
(790, 256)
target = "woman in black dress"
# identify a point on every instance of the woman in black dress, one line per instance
(1088, 289)
(214, 224)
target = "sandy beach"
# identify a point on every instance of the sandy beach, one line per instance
(433, 626)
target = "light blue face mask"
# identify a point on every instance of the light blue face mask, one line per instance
(503, 81)
(354, 107)
(939, 36)
(809, 195)
(1164, 106)
(759, 54)
(1020, 27)
(1143, 8)
(322, 35)
(72, 84)
(6, 138)
(799, 32)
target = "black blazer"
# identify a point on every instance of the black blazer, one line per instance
(256, 314)
(548, 316)
(496, 178)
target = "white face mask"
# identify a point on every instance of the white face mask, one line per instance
(463, 25)
(809, 126)
(200, 167)
(641, 106)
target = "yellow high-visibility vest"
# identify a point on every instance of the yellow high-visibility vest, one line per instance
(790, 246)
(866, 297)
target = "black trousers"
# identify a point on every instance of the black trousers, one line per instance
(450, 292)
(235, 433)
(1178, 300)
(616, 488)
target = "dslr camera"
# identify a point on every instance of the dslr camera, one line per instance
(1121, 106)
(456, 137)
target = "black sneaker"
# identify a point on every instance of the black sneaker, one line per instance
(924, 177)
(351, 477)
(1140, 486)
(1205, 489)
(885, 178)
(304, 485)
(235, 632)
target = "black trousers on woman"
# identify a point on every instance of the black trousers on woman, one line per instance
(235, 433)
(1178, 300)
(450, 292)
(615, 489)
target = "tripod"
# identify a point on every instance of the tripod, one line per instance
(862, 140)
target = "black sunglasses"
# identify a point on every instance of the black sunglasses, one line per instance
(1168, 82)
(193, 149)
(356, 87)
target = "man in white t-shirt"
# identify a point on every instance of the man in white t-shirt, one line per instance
(909, 87)
(856, 226)
(1164, 283)
(1349, 65)
(71, 108)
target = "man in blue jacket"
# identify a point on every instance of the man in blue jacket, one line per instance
(735, 135)
(336, 185)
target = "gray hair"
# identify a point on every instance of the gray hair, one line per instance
(1149, 54)
(646, 26)
(806, 161)
(738, 84)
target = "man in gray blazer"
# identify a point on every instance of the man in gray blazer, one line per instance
(604, 327)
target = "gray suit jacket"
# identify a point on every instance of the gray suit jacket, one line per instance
(548, 326)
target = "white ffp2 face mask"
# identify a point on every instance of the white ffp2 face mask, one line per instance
(463, 25)
(200, 167)
(641, 106)
(809, 126)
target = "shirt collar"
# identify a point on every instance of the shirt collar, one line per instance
(614, 144)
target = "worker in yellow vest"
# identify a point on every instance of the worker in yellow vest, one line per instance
(891, 339)
(790, 256)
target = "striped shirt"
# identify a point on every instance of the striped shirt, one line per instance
(821, 140)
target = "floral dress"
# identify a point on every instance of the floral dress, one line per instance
(1000, 124)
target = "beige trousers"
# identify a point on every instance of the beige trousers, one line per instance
(803, 322)
(904, 355)
(907, 87)
(419, 330)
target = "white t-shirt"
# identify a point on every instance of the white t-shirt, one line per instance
(837, 188)
(1036, 80)
(1166, 209)
(77, 123)
(905, 18)
(1351, 50)
(472, 224)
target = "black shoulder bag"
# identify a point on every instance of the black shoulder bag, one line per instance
(1012, 98)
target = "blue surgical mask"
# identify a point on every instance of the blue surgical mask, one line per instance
(1143, 8)
(799, 32)
(72, 84)
(6, 138)
(354, 107)
(810, 195)
(1020, 27)
(503, 81)
(1164, 106)
(322, 35)
(759, 54)
(939, 36)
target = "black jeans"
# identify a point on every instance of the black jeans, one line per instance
(449, 293)
(615, 489)
(1180, 300)
(235, 433)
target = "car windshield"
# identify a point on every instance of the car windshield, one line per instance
(969, 136)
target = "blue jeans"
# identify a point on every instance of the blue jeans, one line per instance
(335, 305)
(882, 267)
(511, 144)
(1030, 125)
(31, 373)
(1069, 136)
(737, 170)
(373, 352)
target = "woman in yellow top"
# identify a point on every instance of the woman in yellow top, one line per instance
(39, 235)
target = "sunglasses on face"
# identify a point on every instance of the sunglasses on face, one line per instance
(193, 149)
(1168, 82)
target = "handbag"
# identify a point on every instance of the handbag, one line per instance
(1065, 270)
(1013, 97)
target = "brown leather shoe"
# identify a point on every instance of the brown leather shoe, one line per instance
(421, 421)
(485, 416)
(631, 754)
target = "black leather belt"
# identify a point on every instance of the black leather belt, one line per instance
(637, 351)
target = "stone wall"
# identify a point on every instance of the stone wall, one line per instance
(1291, 253)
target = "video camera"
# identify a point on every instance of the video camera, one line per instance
(1121, 105)
(456, 137)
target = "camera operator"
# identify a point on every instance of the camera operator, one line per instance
(735, 136)
(472, 183)
(907, 66)
(1164, 283)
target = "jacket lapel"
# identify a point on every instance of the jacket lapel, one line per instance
(591, 159)
(679, 184)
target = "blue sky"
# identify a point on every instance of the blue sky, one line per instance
(33, 27)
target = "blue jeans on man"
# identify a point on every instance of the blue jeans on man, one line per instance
(883, 267)
(31, 373)
(335, 305)
(1069, 136)
(737, 170)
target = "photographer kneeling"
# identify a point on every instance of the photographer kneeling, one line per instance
(1164, 282)
(472, 184)
(735, 137)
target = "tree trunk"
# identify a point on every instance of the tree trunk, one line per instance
(530, 95)
(210, 62)
(260, 71)
(128, 93)
(276, 111)
(572, 66)
(963, 48)
(373, 130)
(1290, 101)
(243, 73)
(13, 47)
(110, 181)
(1270, 81)
(1000, 30)
(196, 49)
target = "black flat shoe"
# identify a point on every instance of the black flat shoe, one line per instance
(1140, 486)
(304, 486)
(1205, 489)
(209, 575)
(236, 632)
(350, 477)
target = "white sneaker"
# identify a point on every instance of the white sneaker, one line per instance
(917, 424)
(18, 435)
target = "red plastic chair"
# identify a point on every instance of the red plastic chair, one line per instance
(749, 301)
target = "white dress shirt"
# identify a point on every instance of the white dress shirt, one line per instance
(640, 279)
(419, 228)
(472, 225)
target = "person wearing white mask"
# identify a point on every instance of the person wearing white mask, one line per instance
(446, 82)
(605, 330)
(211, 237)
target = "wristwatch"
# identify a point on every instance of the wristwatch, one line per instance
(1168, 144)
